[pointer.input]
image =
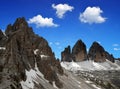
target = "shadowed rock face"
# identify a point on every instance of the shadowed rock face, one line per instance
(23, 50)
(97, 53)
(2, 39)
(79, 51)
(66, 55)
(110, 57)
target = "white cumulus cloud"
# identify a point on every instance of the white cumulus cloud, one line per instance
(92, 15)
(61, 9)
(51, 43)
(40, 21)
(115, 44)
(57, 43)
(116, 49)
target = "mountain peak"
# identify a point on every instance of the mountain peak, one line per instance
(21, 20)
(19, 24)
(97, 52)
(79, 51)
(24, 50)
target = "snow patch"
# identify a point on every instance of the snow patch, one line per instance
(44, 56)
(95, 86)
(88, 81)
(4, 34)
(54, 85)
(29, 83)
(33, 75)
(90, 65)
(35, 51)
(70, 65)
(2, 48)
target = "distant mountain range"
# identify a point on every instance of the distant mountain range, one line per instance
(27, 62)
(79, 53)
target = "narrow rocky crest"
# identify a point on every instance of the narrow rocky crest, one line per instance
(24, 49)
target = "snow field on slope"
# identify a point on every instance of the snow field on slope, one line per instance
(32, 76)
(90, 65)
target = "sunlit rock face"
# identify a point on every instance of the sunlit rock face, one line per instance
(24, 49)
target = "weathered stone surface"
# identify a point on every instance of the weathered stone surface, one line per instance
(97, 53)
(110, 57)
(23, 50)
(66, 55)
(3, 39)
(79, 51)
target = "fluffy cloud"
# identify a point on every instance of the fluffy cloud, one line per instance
(116, 49)
(92, 15)
(51, 43)
(61, 9)
(40, 21)
(115, 44)
(57, 43)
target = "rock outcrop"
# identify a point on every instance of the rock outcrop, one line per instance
(79, 51)
(97, 53)
(66, 55)
(110, 57)
(24, 49)
(2, 39)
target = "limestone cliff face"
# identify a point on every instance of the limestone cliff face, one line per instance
(2, 39)
(24, 49)
(97, 53)
(79, 51)
(66, 55)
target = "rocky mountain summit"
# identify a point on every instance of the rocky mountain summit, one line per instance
(27, 62)
(79, 53)
(20, 51)
(66, 55)
(98, 53)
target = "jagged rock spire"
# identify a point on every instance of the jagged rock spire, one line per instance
(24, 49)
(79, 51)
(96, 53)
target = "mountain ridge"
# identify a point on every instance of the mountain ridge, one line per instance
(19, 55)
(28, 62)
(79, 53)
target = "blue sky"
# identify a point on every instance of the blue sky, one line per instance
(63, 22)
